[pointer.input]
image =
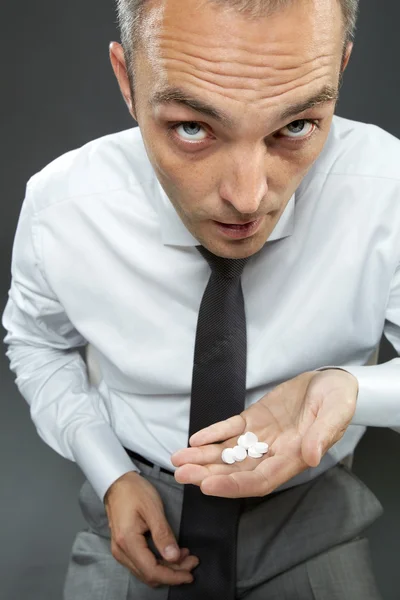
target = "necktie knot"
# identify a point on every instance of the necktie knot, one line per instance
(225, 267)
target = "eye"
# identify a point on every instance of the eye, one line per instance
(190, 129)
(304, 127)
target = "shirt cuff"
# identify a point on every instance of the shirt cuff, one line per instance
(378, 401)
(101, 456)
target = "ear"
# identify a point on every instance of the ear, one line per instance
(346, 58)
(118, 63)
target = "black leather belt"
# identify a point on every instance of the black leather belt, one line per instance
(137, 456)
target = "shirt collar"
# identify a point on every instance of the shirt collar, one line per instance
(175, 233)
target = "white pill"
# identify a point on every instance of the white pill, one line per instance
(241, 441)
(248, 439)
(261, 447)
(253, 453)
(227, 456)
(239, 453)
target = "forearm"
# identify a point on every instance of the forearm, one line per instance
(69, 414)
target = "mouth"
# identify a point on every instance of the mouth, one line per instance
(237, 224)
(239, 230)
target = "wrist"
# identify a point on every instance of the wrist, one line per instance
(125, 479)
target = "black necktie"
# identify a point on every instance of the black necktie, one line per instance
(208, 523)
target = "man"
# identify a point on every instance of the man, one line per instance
(238, 155)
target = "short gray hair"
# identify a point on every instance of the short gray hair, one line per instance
(132, 13)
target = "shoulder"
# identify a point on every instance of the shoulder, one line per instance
(360, 150)
(113, 162)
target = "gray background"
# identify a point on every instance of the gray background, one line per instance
(59, 92)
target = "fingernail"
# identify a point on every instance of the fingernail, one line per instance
(171, 551)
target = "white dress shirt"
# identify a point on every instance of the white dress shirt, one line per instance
(101, 257)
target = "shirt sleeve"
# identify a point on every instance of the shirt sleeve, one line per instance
(378, 402)
(69, 413)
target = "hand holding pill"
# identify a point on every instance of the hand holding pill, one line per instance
(247, 445)
(285, 432)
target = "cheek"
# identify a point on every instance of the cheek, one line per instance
(188, 180)
(187, 189)
(291, 166)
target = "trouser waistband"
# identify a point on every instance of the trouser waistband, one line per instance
(147, 462)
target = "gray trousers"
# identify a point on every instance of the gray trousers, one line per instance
(304, 543)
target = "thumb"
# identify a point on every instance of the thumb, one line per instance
(162, 534)
(326, 430)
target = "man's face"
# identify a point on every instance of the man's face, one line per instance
(246, 169)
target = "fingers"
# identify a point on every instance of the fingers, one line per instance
(188, 563)
(184, 553)
(134, 507)
(194, 474)
(162, 534)
(264, 479)
(143, 563)
(124, 559)
(199, 456)
(165, 542)
(219, 432)
(134, 552)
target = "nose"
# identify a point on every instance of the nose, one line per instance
(245, 185)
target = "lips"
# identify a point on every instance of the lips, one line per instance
(239, 231)
(237, 224)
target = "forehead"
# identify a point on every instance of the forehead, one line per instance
(300, 28)
(292, 54)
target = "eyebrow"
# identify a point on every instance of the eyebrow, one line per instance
(171, 94)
